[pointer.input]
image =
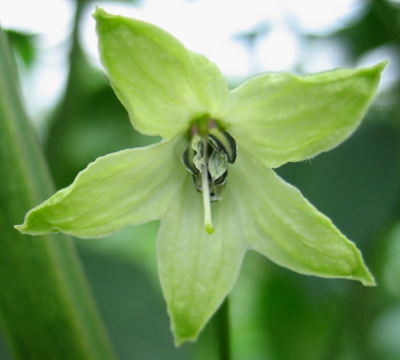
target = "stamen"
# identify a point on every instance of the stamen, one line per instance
(197, 181)
(194, 131)
(217, 192)
(187, 158)
(222, 179)
(206, 196)
(200, 149)
(223, 142)
(211, 124)
(216, 165)
(207, 157)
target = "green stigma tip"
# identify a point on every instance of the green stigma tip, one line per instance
(209, 229)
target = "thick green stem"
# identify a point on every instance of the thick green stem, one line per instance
(46, 310)
(214, 340)
(222, 321)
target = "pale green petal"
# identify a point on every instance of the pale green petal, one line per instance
(197, 270)
(124, 188)
(282, 225)
(280, 117)
(163, 85)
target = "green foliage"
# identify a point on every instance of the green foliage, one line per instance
(23, 44)
(46, 310)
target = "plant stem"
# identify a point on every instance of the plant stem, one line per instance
(223, 330)
(214, 340)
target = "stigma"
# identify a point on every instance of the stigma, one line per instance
(207, 159)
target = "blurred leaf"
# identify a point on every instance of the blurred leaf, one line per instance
(249, 338)
(135, 245)
(98, 125)
(23, 44)
(379, 25)
(384, 334)
(356, 184)
(88, 126)
(133, 309)
(298, 323)
(46, 310)
(391, 263)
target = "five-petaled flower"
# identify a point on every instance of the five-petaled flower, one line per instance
(210, 180)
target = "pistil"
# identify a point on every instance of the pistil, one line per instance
(206, 200)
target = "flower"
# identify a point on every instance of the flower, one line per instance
(210, 180)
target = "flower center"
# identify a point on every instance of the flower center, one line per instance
(207, 159)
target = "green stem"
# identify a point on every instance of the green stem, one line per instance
(214, 340)
(46, 309)
(223, 330)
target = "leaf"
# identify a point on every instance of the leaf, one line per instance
(46, 309)
(23, 44)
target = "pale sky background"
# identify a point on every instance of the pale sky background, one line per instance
(210, 27)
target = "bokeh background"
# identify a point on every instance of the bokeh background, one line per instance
(276, 314)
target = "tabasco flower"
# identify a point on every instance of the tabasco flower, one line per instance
(211, 179)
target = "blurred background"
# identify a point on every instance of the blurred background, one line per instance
(276, 314)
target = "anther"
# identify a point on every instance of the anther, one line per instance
(188, 157)
(216, 165)
(223, 142)
(222, 179)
